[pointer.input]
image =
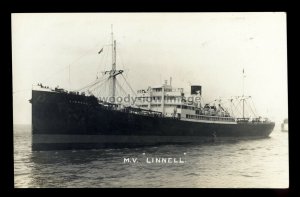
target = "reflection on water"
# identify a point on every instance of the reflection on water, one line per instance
(246, 164)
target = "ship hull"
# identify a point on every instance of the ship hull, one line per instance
(284, 127)
(66, 121)
(77, 142)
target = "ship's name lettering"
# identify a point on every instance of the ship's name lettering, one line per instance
(130, 160)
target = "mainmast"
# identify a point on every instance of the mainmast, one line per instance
(243, 94)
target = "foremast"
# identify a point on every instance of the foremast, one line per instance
(113, 72)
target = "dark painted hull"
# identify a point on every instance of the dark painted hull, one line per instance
(65, 121)
(284, 127)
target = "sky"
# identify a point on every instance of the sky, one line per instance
(207, 49)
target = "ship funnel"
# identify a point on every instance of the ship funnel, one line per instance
(196, 89)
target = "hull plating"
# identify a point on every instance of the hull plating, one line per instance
(65, 121)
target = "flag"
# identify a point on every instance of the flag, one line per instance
(100, 51)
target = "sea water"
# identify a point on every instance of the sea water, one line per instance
(261, 163)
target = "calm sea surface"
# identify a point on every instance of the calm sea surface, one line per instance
(259, 163)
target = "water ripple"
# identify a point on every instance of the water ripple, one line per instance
(246, 164)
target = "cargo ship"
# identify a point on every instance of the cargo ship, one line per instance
(285, 125)
(83, 119)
